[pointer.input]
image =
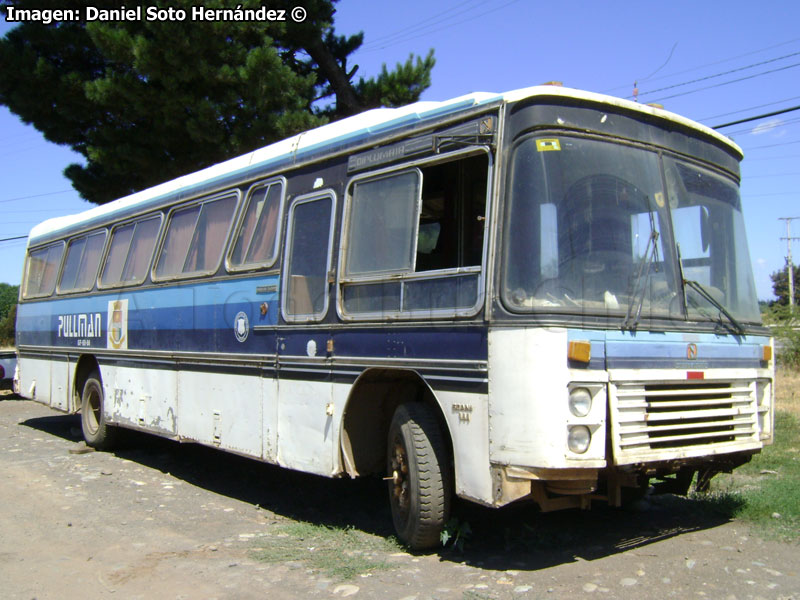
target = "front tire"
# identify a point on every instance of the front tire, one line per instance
(96, 431)
(420, 476)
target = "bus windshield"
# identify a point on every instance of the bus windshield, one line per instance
(596, 227)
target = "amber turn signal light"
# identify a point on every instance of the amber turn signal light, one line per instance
(580, 351)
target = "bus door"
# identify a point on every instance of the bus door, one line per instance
(305, 432)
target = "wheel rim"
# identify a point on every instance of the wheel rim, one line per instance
(93, 414)
(399, 478)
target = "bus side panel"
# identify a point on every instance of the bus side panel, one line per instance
(222, 410)
(141, 397)
(60, 382)
(269, 426)
(34, 378)
(306, 431)
(467, 416)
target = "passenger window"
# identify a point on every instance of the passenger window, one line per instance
(451, 218)
(43, 266)
(130, 252)
(308, 259)
(195, 238)
(256, 243)
(424, 225)
(383, 216)
(80, 265)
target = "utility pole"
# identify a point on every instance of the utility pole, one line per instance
(789, 239)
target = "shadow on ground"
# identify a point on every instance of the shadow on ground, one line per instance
(516, 537)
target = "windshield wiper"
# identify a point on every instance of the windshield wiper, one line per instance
(706, 295)
(650, 255)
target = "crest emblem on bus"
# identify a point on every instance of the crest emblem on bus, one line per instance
(241, 326)
(691, 351)
(118, 324)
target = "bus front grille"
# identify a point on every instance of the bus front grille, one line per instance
(675, 419)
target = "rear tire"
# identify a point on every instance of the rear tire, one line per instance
(421, 482)
(96, 431)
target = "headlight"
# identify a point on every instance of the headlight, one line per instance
(580, 402)
(579, 438)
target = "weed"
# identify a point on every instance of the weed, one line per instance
(457, 531)
(766, 491)
(339, 553)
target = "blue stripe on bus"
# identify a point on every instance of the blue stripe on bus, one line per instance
(202, 318)
(192, 318)
(653, 350)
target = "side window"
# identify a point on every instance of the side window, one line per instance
(414, 242)
(451, 219)
(383, 220)
(256, 241)
(308, 259)
(195, 238)
(40, 277)
(130, 252)
(80, 265)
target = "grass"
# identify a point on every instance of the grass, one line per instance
(766, 491)
(339, 553)
(787, 391)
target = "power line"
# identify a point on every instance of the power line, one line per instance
(436, 29)
(711, 64)
(19, 237)
(773, 158)
(666, 62)
(34, 210)
(764, 127)
(745, 195)
(716, 85)
(772, 145)
(773, 175)
(715, 75)
(430, 21)
(756, 118)
(733, 112)
(35, 196)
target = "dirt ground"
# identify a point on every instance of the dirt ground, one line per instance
(157, 519)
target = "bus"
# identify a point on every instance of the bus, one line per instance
(543, 295)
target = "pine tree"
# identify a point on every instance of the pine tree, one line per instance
(147, 101)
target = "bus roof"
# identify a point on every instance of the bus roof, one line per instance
(346, 133)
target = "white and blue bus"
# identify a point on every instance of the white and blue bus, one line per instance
(544, 294)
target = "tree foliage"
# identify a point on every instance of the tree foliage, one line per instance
(8, 298)
(8, 313)
(780, 285)
(8, 327)
(785, 327)
(145, 101)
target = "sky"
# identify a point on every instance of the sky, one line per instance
(712, 61)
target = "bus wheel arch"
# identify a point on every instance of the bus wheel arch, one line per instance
(368, 414)
(87, 364)
(98, 432)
